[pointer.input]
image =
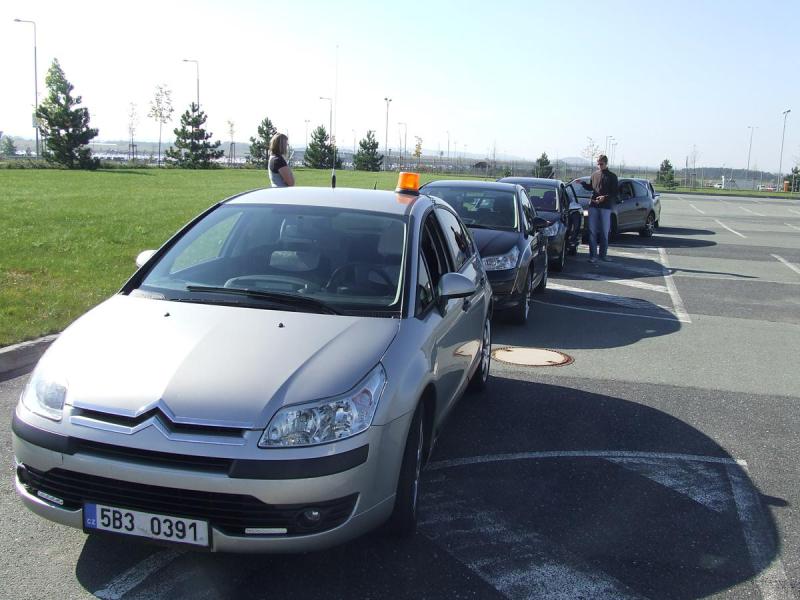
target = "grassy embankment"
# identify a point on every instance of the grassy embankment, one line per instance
(68, 239)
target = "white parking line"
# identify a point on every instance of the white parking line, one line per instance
(792, 226)
(786, 262)
(770, 574)
(677, 302)
(634, 283)
(134, 576)
(625, 301)
(611, 312)
(697, 209)
(797, 212)
(729, 229)
(752, 212)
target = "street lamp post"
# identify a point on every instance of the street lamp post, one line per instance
(749, 149)
(405, 139)
(306, 121)
(35, 83)
(197, 77)
(608, 139)
(783, 136)
(386, 137)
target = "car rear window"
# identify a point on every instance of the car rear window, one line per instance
(496, 209)
(542, 196)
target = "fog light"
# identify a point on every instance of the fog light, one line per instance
(22, 474)
(311, 517)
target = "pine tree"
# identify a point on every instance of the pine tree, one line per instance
(259, 147)
(8, 147)
(319, 154)
(543, 167)
(65, 127)
(367, 157)
(192, 149)
(666, 174)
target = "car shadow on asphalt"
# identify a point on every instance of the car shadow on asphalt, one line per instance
(554, 492)
(663, 241)
(683, 231)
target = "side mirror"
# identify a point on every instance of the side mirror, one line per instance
(455, 285)
(539, 223)
(143, 257)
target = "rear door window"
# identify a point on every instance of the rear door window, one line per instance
(458, 240)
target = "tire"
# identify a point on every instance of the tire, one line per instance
(649, 226)
(480, 378)
(520, 313)
(558, 264)
(539, 289)
(403, 520)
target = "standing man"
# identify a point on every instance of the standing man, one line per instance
(604, 189)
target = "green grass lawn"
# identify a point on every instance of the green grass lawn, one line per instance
(68, 239)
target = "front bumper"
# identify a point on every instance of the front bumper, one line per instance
(507, 286)
(371, 484)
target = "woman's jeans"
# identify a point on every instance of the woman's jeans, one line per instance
(599, 226)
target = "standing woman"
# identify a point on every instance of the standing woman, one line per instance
(280, 173)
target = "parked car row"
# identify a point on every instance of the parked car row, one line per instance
(274, 377)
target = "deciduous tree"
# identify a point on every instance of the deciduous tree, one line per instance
(7, 147)
(161, 111)
(64, 125)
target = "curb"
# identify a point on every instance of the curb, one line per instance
(20, 356)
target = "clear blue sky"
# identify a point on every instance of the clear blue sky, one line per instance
(526, 76)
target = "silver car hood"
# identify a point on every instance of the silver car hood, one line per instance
(212, 365)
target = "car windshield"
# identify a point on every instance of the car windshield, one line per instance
(307, 258)
(477, 207)
(542, 196)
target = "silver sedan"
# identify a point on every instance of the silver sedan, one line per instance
(271, 380)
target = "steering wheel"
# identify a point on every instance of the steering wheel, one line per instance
(349, 274)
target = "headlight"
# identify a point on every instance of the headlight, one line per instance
(502, 262)
(45, 393)
(327, 420)
(551, 230)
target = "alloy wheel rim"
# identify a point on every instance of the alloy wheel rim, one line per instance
(486, 350)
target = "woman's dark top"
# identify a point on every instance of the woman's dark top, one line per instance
(276, 162)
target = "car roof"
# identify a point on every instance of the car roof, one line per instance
(380, 201)
(472, 183)
(530, 180)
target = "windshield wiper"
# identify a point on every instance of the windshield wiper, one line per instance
(292, 300)
(479, 226)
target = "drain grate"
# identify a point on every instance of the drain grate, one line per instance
(531, 357)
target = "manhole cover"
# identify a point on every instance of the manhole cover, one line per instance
(531, 357)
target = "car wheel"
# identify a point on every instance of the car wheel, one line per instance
(558, 264)
(403, 520)
(649, 226)
(523, 309)
(481, 376)
(539, 289)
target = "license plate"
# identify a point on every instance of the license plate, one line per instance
(144, 524)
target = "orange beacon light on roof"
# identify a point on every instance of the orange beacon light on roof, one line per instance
(408, 183)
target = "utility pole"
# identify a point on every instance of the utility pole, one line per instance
(306, 121)
(780, 163)
(404, 140)
(386, 137)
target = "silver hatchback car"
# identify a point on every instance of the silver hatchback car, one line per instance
(271, 380)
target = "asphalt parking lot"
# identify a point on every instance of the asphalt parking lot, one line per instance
(661, 463)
